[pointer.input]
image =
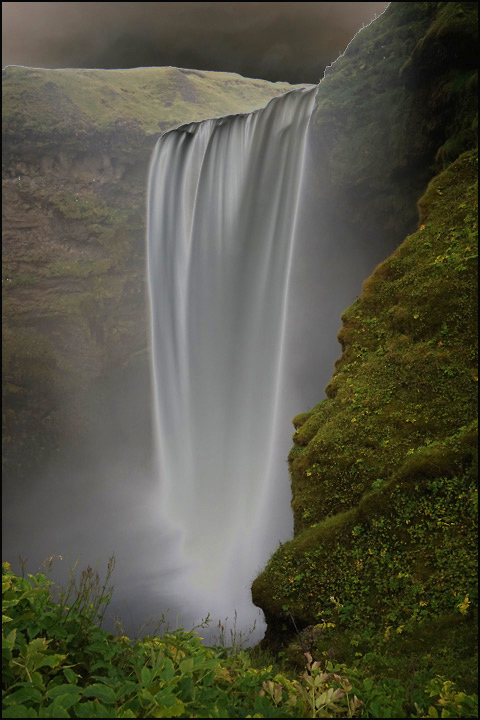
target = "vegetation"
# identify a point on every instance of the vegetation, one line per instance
(108, 106)
(384, 470)
(58, 663)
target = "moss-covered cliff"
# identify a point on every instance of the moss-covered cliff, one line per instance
(384, 470)
(382, 568)
(76, 147)
(399, 103)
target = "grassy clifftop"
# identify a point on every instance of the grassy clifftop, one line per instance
(72, 106)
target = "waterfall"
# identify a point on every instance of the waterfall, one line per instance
(222, 205)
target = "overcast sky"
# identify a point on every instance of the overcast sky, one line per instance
(275, 41)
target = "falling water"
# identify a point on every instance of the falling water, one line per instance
(223, 197)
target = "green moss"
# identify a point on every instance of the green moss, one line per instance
(384, 470)
(448, 54)
(434, 648)
(78, 268)
(384, 569)
(453, 32)
(119, 106)
(408, 368)
(80, 206)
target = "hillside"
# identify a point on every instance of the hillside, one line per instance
(77, 145)
(71, 106)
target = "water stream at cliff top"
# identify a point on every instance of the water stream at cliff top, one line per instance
(222, 206)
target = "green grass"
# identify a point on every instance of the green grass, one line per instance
(75, 102)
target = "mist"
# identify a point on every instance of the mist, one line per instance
(104, 495)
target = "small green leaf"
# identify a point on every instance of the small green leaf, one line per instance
(175, 710)
(19, 711)
(39, 644)
(50, 661)
(59, 690)
(24, 694)
(186, 688)
(146, 675)
(146, 695)
(167, 671)
(65, 701)
(126, 688)
(93, 709)
(70, 676)
(37, 680)
(186, 666)
(11, 637)
(55, 711)
(104, 693)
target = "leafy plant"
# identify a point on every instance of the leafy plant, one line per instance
(57, 662)
(448, 701)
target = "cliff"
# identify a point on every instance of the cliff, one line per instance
(76, 148)
(381, 572)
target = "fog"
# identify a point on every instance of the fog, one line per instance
(290, 42)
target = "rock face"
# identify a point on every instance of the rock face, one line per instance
(76, 146)
(383, 470)
(399, 103)
(382, 127)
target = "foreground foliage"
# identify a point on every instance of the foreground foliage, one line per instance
(58, 663)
